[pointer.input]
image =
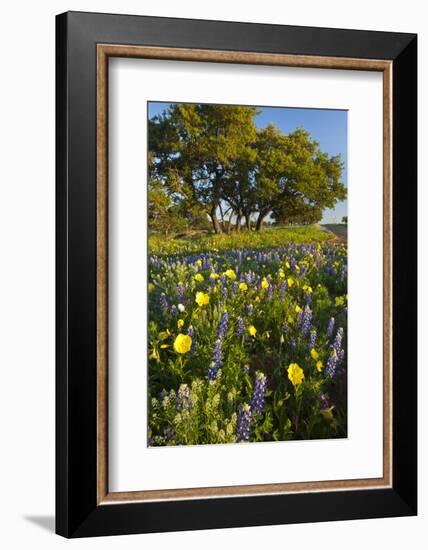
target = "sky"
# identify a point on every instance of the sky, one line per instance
(327, 126)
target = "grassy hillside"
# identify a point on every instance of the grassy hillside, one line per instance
(268, 238)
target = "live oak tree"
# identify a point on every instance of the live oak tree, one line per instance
(194, 148)
(211, 160)
(295, 179)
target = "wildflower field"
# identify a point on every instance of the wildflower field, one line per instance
(247, 338)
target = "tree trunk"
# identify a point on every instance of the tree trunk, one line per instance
(262, 216)
(248, 221)
(238, 222)
(216, 225)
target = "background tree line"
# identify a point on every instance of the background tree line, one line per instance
(209, 165)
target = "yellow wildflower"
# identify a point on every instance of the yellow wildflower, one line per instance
(180, 323)
(202, 299)
(281, 274)
(182, 343)
(297, 309)
(214, 275)
(199, 277)
(314, 354)
(290, 281)
(257, 298)
(339, 301)
(319, 366)
(199, 262)
(287, 265)
(164, 334)
(243, 287)
(252, 330)
(265, 283)
(230, 274)
(295, 374)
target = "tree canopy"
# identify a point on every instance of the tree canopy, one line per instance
(211, 162)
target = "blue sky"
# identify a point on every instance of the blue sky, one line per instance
(327, 126)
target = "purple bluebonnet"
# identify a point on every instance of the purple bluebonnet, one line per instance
(325, 402)
(308, 299)
(283, 289)
(312, 339)
(259, 390)
(163, 302)
(240, 327)
(243, 423)
(217, 356)
(331, 366)
(270, 292)
(169, 434)
(224, 323)
(306, 320)
(180, 293)
(234, 288)
(216, 360)
(183, 397)
(330, 327)
(191, 333)
(250, 309)
(337, 344)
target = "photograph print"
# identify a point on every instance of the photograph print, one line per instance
(247, 274)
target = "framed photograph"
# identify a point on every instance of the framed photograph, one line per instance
(236, 274)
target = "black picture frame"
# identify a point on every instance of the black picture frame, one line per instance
(77, 511)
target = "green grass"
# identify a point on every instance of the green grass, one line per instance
(267, 238)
